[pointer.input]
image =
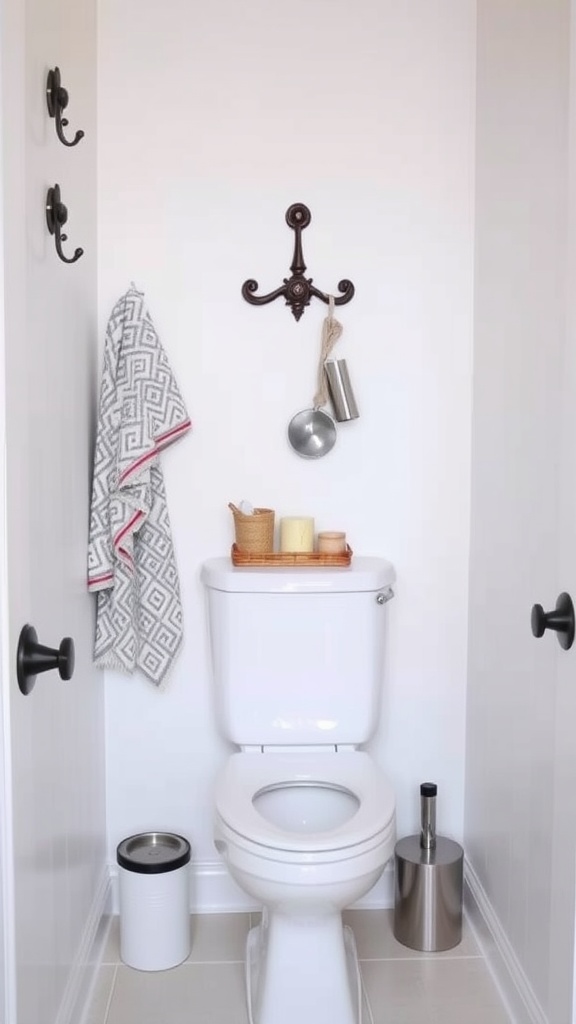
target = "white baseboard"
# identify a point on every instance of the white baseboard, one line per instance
(88, 956)
(213, 891)
(513, 984)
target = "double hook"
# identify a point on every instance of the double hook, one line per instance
(56, 217)
(57, 100)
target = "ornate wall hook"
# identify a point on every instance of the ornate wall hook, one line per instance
(57, 100)
(298, 289)
(56, 217)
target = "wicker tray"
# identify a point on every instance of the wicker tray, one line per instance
(299, 558)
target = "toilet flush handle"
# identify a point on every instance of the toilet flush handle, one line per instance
(384, 595)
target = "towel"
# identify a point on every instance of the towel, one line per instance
(131, 562)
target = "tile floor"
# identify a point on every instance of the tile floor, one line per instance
(401, 986)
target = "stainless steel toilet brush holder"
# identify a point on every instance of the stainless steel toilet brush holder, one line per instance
(428, 884)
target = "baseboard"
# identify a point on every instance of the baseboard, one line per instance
(88, 956)
(513, 984)
(213, 891)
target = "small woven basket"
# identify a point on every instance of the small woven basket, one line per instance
(255, 533)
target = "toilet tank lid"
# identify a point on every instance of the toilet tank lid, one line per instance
(364, 573)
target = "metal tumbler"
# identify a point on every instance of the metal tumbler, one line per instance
(341, 392)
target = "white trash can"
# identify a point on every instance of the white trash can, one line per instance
(154, 900)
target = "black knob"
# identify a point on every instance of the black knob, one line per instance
(561, 620)
(33, 658)
(428, 789)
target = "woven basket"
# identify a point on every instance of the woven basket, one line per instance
(255, 533)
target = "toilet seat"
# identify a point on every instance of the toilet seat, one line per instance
(245, 775)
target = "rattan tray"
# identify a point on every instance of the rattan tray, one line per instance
(299, 558)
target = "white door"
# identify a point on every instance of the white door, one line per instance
(521, 756)
(54, 805)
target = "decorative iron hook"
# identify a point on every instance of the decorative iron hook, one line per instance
(297, 290)
(56, 217)
(57, 100)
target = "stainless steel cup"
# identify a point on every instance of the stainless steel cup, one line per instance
(341, 392)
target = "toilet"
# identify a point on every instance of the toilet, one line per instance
(304, 819)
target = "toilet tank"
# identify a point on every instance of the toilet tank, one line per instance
(297, 654)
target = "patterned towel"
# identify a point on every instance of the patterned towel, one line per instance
(131, 561)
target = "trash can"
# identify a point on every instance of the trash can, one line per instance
(428, 884)
(154, 900)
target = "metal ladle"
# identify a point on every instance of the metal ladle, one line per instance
(312, 433)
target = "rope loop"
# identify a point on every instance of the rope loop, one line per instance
(331, 331)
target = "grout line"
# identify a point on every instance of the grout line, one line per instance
(419, 960)
(185, 963)
(203, 963)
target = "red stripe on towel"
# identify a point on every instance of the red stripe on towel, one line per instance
(162, 441)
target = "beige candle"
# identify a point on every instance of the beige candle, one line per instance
(332, 542)
(296, 533)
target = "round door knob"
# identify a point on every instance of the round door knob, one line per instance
(33, 658)
(561, 620)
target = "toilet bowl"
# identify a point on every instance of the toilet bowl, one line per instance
(305, 835)
(304, 819)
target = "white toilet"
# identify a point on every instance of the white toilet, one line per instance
(304, 820)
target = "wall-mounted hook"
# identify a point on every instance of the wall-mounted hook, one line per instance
(57, 100)
(56, 217)
(297, 289)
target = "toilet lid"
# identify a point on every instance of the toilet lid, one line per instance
(245, 775)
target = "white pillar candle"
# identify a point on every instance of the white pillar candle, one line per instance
(297, 533)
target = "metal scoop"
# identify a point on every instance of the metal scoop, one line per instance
(312, 433)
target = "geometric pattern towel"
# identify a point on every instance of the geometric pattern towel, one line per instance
(131, 562)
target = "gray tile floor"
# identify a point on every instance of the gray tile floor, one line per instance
(401, 986)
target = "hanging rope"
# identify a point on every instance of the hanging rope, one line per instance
(331, 331)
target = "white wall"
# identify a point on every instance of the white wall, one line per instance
(213, 119)
(521, 214)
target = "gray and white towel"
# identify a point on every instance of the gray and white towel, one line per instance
(131, 562)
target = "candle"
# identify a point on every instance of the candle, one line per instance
(297, 533)
(332, 542)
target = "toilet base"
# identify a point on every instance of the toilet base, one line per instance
(302, 970)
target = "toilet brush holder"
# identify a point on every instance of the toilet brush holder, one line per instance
(428, 884)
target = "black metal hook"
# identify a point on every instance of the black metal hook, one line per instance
(57, 100)
(297, 290)
(56, 217)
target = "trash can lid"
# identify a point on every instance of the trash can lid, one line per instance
(151, 853)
